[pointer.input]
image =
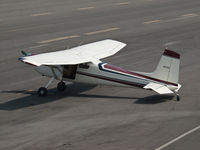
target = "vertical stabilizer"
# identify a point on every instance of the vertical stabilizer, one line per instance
(168, 67)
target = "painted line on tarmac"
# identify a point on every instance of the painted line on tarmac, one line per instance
(152, 21)
(178, 138)
(123, 3)
(86, 8)
(182, 17)
(190, 15)
(41, 14)
(101, 31)
(15, 30)
(38, 46)
(44, 42)
(171, 43)
(58, 39)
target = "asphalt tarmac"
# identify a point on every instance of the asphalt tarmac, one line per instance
(99, 117)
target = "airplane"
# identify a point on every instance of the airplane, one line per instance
(83, 64)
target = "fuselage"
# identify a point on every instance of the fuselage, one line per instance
(101, 74)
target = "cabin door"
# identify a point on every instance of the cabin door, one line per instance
(69, 71)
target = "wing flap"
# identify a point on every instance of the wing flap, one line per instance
(159, 88)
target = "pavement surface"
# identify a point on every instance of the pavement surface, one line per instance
(99, 117)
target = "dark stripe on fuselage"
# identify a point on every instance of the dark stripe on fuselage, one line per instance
(130, 74)
(112, 79)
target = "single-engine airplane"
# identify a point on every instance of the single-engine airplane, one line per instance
(82, 64)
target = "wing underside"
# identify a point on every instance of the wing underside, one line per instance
(86, 53)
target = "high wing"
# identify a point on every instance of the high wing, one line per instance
(159, 88)
(81, 54)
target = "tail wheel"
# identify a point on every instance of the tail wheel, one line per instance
(177, 97)
(42, 91)
(61, 86)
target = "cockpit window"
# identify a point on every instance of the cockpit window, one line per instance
(84, 66)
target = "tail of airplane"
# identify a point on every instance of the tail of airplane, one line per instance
(168, 67)
(166, 70)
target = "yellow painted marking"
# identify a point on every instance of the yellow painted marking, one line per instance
(189, 15)
(153, 21)
(86, 8)
(101, 31)
(37, 46)
(29, 90)
(123, 3)
(14, 30)
(41, 14)
(171, 43)
(58, 39)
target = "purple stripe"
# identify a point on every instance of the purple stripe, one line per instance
(171, 54)
(136, 74)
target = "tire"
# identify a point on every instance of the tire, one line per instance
(42, 91)
(178, 98)
(61, 86)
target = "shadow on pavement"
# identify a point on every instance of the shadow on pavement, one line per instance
(34, 99)
(72, 90)
(53, 95)
(154, 99)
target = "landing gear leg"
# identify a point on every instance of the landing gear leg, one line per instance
(177, 97)
(42, 91)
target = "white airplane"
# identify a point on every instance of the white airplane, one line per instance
(82, 64)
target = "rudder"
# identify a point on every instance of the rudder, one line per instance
(168, 67)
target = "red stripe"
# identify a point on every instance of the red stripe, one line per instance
(30, 64)
(136, 74)
(171, 54)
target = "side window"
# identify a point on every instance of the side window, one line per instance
(84, 66)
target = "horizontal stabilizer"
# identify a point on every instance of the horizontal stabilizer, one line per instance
(159, 88)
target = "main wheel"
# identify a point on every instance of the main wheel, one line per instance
(61, 86)
(42, 91)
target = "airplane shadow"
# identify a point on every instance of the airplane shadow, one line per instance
(33, 99)
(75, 90)
(154, 99)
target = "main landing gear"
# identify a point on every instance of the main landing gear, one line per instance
(177, 97)
(42, 91)
(61, 86)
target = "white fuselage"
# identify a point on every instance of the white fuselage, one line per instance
(103, 74)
